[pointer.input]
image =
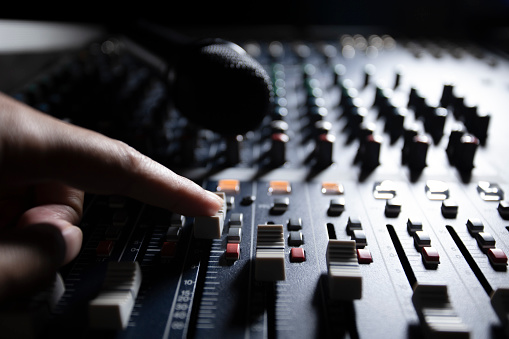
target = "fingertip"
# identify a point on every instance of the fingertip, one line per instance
(73, 238)
(215, 202)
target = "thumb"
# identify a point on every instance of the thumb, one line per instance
(29, 258)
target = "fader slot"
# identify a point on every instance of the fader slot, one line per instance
(437, 315)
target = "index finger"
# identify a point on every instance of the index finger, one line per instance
(41, 148)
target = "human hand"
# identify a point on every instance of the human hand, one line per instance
(45, 167)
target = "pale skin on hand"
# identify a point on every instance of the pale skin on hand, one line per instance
(46, 165)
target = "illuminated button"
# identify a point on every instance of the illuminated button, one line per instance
(279, 187)
(384, 190)
(449, 209)
(234, 235)
(436, 190)
(392, 207)
(489, 191)
(297, 254)
(430, 255)
(336, 206)
(332, 188)
(485, 241)
(168, 250)
(413, 225)
(231, 186)
(359, 237)
(295, 238)
(364, 256)
(295, 224)
(503, 209)
(353, 223)
(497, 256)
(232, 251)
(104, 248)
(475, 225)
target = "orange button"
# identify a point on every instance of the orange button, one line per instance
(280, 187)
(329, 187)
(228, 186)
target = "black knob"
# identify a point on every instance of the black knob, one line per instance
(278, 149)
(324, 149)
(418, 152)
(464, 158)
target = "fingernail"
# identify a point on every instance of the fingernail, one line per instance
(73, 237)
(217, 199)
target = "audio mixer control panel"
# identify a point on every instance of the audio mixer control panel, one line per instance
(370, 203)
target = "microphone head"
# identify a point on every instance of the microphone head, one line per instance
(218, 86)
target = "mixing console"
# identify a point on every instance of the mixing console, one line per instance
(369, 203)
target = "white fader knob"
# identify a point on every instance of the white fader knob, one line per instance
(438, 317)
(112, 307)
(211, 227)
(270, 253)
(345, 279)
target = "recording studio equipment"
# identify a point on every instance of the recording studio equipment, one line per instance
(214, 83)
(370, 203)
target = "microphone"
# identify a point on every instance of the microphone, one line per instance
(214, 83)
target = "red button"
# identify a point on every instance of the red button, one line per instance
(430, 255)
(297, 254)
(104, 248)
(497, 256)
(232, 251)
(364, 256)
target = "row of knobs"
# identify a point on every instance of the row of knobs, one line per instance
(463, 140)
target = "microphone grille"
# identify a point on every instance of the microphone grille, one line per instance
(222, 88)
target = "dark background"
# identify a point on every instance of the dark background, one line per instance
(429, 17)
